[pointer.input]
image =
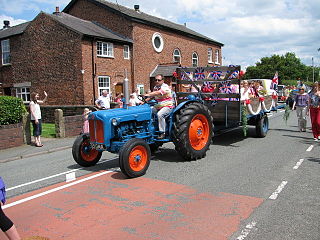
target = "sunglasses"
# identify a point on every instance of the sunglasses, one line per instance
(158, 80)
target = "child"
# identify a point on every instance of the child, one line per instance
(85, 128)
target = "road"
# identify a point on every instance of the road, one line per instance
(245, 188)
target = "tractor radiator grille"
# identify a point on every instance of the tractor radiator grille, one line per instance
(96, 131)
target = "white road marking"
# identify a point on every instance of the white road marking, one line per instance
(70, 177)
(52, 176)
(298, 164)
(279, 189)
(53, 190)
(309, 148)
(246, 231)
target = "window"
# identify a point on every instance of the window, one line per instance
(194, 59)
(23, 93)
(5, 49)
(126, 52)
(104, 49)
(103, 84)
(217, 57)
(209, 55)
(157, 42)
(176, 56)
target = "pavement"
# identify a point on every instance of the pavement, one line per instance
(24, 151)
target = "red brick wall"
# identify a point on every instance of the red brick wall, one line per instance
(73, 125)
(11, 136)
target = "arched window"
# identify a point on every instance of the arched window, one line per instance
(209, 55)
(195, 59)
(176, 56)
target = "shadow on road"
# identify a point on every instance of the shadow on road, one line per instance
(103, 164)
(312, 159)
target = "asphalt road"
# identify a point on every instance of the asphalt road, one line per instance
(281, 169)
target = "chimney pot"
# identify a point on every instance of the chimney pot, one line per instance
(57, 10)
(6, 24)
(136, 7)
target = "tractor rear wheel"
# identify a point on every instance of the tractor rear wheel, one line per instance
(193, 131)
(134, 158)
(82, 152)
(262, 126)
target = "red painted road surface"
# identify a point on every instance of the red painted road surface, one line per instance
(109, 207)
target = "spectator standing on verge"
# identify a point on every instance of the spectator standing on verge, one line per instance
(315, 110)
(301, 103)
(6, 224)
(36, 117)
(103, 102)
(163, 95)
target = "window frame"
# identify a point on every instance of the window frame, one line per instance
(210, 54)
(106, 49)
(160, 48)
(5, 51)
(217, 56)
(174, 55)
(197, 59)
(101, 88)
(24, 93)
(126, 52)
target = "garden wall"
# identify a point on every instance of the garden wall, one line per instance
(11, 135)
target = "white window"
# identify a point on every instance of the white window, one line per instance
(157, 42)
(195, 59)
(217, 57)
(103, 84)
(23, 93)
(209, 55)
(176, 56)
(141, 88)
(105, 49)
(5, 49)
(126, 52)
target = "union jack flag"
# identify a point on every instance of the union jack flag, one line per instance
(274, 83)
(185, 76)
(226, 87)
(199, 74)
(233, 75)
(215, 75)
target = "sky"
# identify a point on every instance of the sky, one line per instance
(249, 29)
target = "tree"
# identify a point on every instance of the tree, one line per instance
(289, 67)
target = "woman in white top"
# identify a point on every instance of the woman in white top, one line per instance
(36, 117)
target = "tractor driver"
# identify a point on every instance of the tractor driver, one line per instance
(163, 95)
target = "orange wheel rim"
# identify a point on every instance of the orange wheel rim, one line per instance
(87, 153)
(138, 158)
(199, 132)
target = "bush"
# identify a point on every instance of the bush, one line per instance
(11, 110)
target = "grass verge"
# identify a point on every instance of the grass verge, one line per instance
(48, 130)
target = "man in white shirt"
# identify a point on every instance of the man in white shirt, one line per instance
(103, 102)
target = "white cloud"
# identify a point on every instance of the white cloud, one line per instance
(13, 21)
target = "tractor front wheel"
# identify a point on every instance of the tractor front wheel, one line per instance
(82, 152)
(262, 126)
(134, 158)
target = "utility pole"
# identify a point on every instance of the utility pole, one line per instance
(312, 71)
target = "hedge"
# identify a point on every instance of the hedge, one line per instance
(11, 110)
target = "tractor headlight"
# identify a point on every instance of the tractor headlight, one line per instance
(114, 122)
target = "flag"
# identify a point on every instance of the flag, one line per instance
(274, 83)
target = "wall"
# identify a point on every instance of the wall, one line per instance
(11, 136)
(73, 125)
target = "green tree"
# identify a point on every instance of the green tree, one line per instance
(289, 67)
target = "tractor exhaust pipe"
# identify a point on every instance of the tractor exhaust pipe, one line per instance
(126, 92)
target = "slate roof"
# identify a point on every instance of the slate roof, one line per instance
(139, 16)
(165, 70)
(78, 25)
(14, 30)
(88, 28)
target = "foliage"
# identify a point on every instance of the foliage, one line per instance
(286, 114)
(244, 119)
(289, 67)
(11, 110)
(48, 130)
(294, 83)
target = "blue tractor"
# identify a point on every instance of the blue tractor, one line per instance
(132, 133)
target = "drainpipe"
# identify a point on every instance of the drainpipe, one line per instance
(93, 70)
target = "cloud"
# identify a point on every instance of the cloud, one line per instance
(13, 21)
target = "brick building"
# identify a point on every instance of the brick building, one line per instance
(90, 45)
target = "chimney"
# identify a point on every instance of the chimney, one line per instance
(185, 24)
(57, 11)
(6, 24)
(136, 7)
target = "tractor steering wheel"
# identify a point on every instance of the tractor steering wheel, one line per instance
(142, 98)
